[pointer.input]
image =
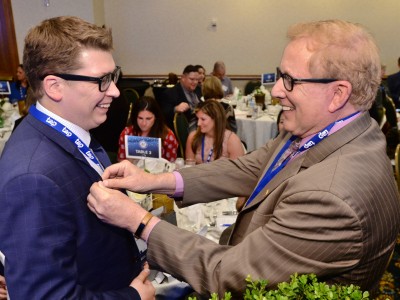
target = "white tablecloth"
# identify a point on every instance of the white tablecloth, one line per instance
(207, 219)
(255, 133)
(5, 134)
(10, 116)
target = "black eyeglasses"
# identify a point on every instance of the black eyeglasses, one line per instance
(103, 81)
(289, 81)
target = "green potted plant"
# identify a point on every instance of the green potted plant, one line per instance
(300, 287)
(259, 96)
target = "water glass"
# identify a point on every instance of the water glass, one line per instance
(179, 163)
(190, 162)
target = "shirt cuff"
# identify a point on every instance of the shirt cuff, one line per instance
(178, 185)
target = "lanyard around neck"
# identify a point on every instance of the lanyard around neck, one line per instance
(272, 171)
(49, 121)
(202, 151)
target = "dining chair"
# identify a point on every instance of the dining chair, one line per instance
(397, 165)
(251, 86)
(181, 127)
(131, 95)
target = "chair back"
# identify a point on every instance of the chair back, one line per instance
(251, 86)
(131, 95)
(181, 127)
(397, 165)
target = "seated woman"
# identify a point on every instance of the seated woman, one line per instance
(20, 86)
(147, 120)
(279, 122)
(212, 89)
(212, 140)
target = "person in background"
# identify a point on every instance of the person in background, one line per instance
(147, 120)
(322, 195)
(212, 90)
(183, 97)
(219, 71)
(393, 85)
(280, 121)
(19, 87)
(202, 73)
(54, 247)
(212, 140)
(25, 109)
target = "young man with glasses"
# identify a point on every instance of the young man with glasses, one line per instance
(54, 247)
(322, 197)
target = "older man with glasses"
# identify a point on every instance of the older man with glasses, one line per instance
(53, 246)
(322, 197)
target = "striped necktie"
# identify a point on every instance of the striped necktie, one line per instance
(289, 153)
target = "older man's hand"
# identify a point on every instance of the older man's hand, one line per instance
(113, 207)
(125, 175)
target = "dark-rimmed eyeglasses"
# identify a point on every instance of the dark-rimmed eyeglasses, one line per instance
(104, 82)
(289, 81)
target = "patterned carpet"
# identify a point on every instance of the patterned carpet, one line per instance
(390, 282)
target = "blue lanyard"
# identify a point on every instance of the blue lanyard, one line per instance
(202, 151)
(44, 118)
(271, 172)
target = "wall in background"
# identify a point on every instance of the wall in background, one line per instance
(30, 13)
(157, 37)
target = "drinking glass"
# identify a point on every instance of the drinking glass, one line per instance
(189, 162)
(179, 163)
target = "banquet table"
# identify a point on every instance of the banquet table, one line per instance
(255, 132)
(5, 132)
(206, 219)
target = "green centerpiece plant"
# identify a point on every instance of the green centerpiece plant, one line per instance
(259, 96)
(300, 287)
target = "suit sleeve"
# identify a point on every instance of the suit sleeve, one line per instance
(276, 248)
(40, 243)
(296, 228)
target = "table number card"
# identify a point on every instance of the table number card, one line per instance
(268, 78)
(142, 147)
(5, 88)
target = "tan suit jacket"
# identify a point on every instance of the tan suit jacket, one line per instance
(333, 211)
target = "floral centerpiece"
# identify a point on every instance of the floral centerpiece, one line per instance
(259, 96)
(2, 101)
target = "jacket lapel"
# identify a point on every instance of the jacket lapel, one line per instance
(313, 156)
(66, 145)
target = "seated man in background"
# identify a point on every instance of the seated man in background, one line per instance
(220, 71)
(183, 97)
(322, 195)
(393, 84)
(54, 247)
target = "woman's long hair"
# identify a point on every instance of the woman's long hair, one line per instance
(159, 129)
(18, 83)
(215, 111)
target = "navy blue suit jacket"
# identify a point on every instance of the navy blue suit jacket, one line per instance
(55, 247)
(393, 84)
